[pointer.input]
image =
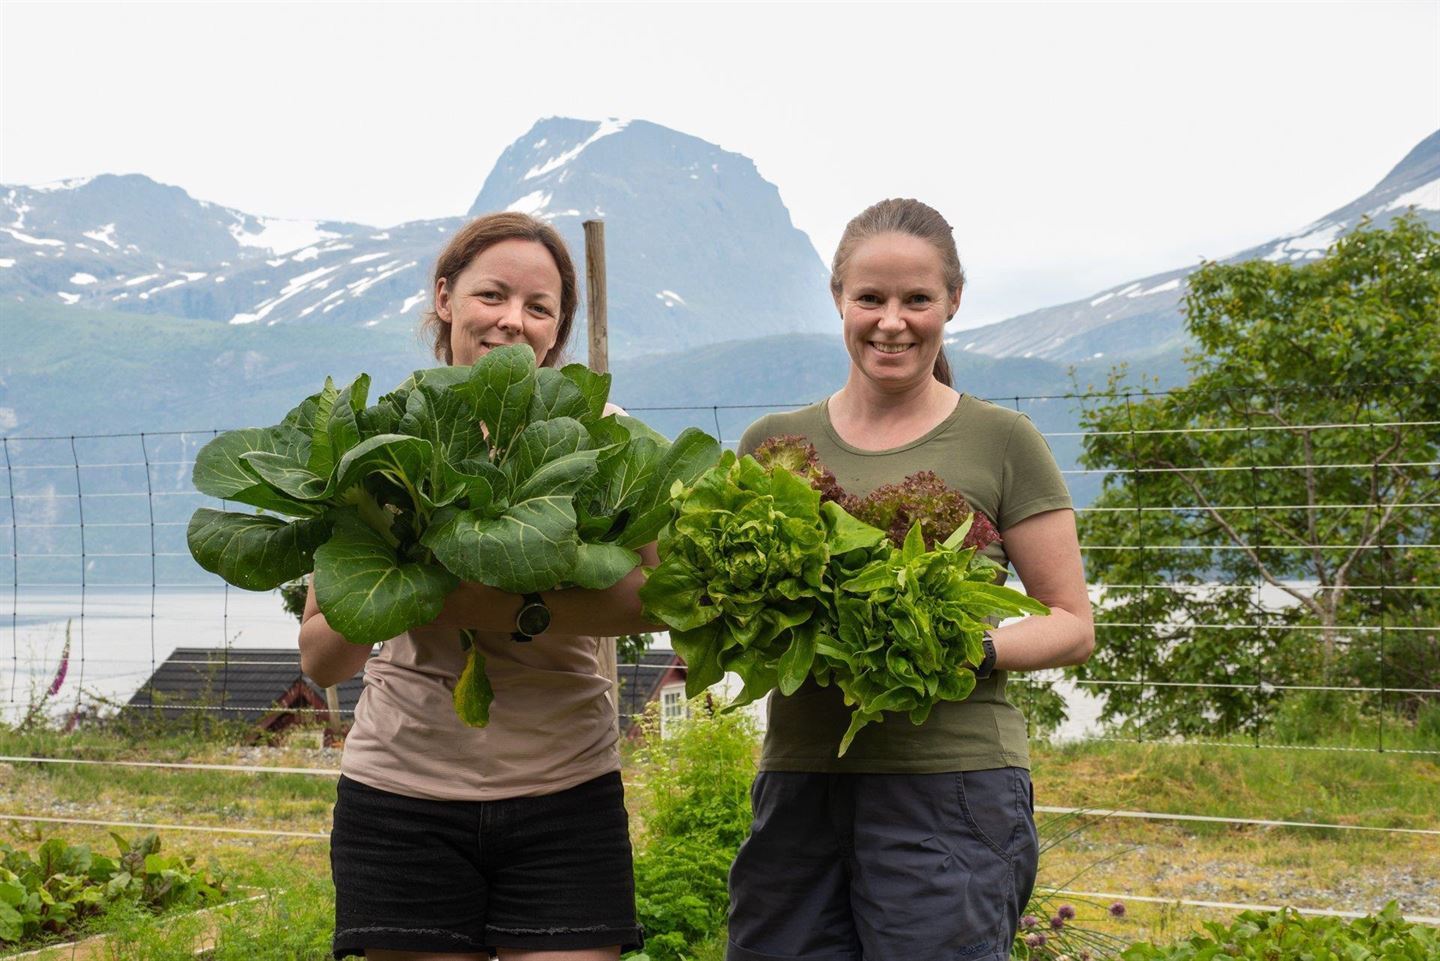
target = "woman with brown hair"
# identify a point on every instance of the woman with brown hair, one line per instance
(451, 841)
(920, 842)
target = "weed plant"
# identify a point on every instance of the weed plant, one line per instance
(691, 790)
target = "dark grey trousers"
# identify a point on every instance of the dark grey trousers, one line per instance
(884, 867)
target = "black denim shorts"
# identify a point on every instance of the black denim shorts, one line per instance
(552, 872)
(884, 867)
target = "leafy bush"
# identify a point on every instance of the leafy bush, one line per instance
(1273, 936)
(692, 793)
(62, 885)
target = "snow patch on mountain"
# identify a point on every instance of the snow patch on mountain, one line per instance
(1157, 289)
(105, 235)
(360, 286)
(34, 241)
(532, 203)
(281, 236)
(1311, 244)
(1425, 196)
(604, 129)
(294, 286)
(71, 184)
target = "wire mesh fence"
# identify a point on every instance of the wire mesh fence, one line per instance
(1185, 555)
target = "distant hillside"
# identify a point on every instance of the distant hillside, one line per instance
(1141, 317)
(700, 248)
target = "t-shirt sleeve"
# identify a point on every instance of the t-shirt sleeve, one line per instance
(755, 435)
(1032, 482)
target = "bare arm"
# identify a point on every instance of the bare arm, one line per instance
(613, 611)
(328, 658)
(325, 655)
(1045, 550)
(607, 613)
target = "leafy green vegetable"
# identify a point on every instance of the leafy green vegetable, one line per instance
(764, 573)
(55, 889)
(1264, 935)
(742, 575)
(910, 627)
(499, 473)
(922, 498)
(894, 508)
(799, 457)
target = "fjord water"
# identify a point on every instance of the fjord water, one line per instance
(119, 635)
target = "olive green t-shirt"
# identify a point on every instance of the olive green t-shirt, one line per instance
(1001, 463)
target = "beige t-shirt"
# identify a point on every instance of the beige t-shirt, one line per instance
(1003, 466)
(552, 723)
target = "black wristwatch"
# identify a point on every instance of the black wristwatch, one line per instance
(987, 663)
(533, 619)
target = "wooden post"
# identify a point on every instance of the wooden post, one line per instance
(595, 294)
(600, 363)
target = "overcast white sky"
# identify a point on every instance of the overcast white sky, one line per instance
(1072, 145)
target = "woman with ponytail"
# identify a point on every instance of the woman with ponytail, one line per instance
(920, 842)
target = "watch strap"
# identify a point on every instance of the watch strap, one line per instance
(986, 667)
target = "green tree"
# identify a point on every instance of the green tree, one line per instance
(1263, 525)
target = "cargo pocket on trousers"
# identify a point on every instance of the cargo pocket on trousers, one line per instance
(994, 803)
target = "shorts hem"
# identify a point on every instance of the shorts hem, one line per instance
(734, 952)
(352, 942)
(566, 938)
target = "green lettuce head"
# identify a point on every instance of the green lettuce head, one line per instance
(910, 628)
(742, 580)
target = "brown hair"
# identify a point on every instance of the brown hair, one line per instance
(903, 216)
(472, 240)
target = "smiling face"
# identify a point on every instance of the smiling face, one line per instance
(894, 304)
(508, 294)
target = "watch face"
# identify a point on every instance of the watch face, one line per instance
(533, 619)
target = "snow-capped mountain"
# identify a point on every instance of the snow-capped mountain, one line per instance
(130, 244)
(1143, 317)
(699, 246)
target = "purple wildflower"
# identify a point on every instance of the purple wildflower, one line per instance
(1117, 910)
(1029, 921)
(1067, 912)
(1057, 922)
(1036, 940)
(62, 671)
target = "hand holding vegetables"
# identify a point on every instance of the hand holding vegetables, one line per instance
(499, 473)
(769, 575)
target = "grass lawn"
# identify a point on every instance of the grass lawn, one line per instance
(1195, 861)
